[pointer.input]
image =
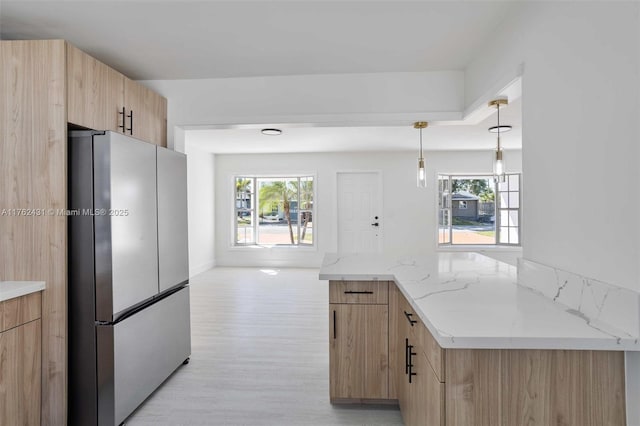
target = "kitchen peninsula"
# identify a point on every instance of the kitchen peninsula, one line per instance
(466, 344)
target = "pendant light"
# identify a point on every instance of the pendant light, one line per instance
(422, 173)
(498, 162)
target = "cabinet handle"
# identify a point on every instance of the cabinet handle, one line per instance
(123, 113)
(357, 292)
(406, 356)
(334, 324)
(408, 315)
(130, 117)
(410, 365)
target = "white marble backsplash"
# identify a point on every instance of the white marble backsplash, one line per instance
(601, 303)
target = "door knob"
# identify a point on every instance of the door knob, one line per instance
(375, 224)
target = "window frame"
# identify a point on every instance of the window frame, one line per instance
(235, 245)
(497, 224)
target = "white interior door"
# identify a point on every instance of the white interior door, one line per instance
(359, 212)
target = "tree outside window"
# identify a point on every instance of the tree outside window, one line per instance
(284, 214)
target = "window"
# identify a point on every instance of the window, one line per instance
(477, 210)
(274, 211)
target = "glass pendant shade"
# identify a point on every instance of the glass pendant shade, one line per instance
(498, 162)
(422, 174)
(499, 167)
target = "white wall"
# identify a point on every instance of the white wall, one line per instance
(581, 108)
(409, 213)
(376, 98)
(200, 196)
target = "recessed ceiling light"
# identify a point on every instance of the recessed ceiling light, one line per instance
(271, 132)
(503, 129)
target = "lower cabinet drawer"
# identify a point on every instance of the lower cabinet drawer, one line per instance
(363, 292)
(20, 310)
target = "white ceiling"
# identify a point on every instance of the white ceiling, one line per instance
(171, 39)
(249, 140)
(209, 39)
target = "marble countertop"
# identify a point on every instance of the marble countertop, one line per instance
(468, 300)
(12, 289)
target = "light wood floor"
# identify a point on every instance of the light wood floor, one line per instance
(259, 356)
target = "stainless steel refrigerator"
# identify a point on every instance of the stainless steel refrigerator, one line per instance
(129, 325)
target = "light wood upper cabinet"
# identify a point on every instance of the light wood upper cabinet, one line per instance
(95, 92)
(101, 98)
(146, 113)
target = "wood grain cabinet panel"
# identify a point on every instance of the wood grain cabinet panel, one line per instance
(473, 387)
(395, 347)
(534, 388)
(20, 384)
(95, 93)
(149, 113)
(33, 159)
(419, 390)
(423, 340)
(607, 391)
(19, 310)
(358, 354)
(101, 98)
(431, 349)
(367, 292)
(425, 394)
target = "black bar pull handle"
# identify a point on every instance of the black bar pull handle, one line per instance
(406, 356)
(357, 292)
(409, 315)
(123, 113)
(334, 324)
(410, 366)
(130, 116)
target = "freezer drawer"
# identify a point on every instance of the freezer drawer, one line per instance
(138, 353)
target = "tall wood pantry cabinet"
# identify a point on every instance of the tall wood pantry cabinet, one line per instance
(45, 85)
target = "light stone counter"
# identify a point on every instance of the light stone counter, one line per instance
(12, 289)
(468, 300)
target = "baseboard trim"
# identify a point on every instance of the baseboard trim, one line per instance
(366, 401)
(201, 268)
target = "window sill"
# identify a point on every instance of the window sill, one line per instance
(273, 247)
(480, 247)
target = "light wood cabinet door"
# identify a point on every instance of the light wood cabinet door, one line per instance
(425, 395)
(358, 354)
(20, 354)
(95, 93)
(147, 113)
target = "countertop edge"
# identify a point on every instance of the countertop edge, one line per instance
(357, 277)
(462, 342)
(12, 289)
(542, 343)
